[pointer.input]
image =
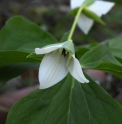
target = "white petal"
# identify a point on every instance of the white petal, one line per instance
(85, 23)
(52, 70)
(48, 49)
(76, 71)
(101, 7)
(76, 3)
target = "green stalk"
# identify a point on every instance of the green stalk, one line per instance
(74, 23)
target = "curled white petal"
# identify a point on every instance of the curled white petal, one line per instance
(76, 71)
(76, 3)
(52, 70)
(48, 49)
(101, 7)
(85, 23)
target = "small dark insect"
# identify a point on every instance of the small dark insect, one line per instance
(64, 53)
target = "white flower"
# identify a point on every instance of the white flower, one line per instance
(58, 61)
(98, 7)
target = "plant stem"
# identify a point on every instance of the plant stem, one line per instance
(74, 23)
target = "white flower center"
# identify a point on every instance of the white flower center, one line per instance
(66, 55)
(63, 54)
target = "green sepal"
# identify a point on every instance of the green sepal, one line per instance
(69, 46)
(92, 15)
(74, 12)
(87, 3)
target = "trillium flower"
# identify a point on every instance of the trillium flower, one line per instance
(99, 7)
(59, 59)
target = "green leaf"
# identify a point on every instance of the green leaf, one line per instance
(64, 37)
(10, 71)
(14, 63)
(98, 54)
(22, 34)
(15, 57)
(84, 103)
(92, 15)
(119, 59)
(81, 50)
(111, 68)
(115, 46)
(101, 58)
(35, 56)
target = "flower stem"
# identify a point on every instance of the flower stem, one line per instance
(74, 23)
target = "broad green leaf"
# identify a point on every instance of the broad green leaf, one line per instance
(98, 54)
(14, 57)
(119, 59)
(90, 45)
(81, 50)
(101, 58)
(14, 63)
(64, 37)
(115, 46)
(22, 34)
(68, 102)
(92, 15)
(35, 56)
(10, 71)
(121, 103)
(111, 68)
